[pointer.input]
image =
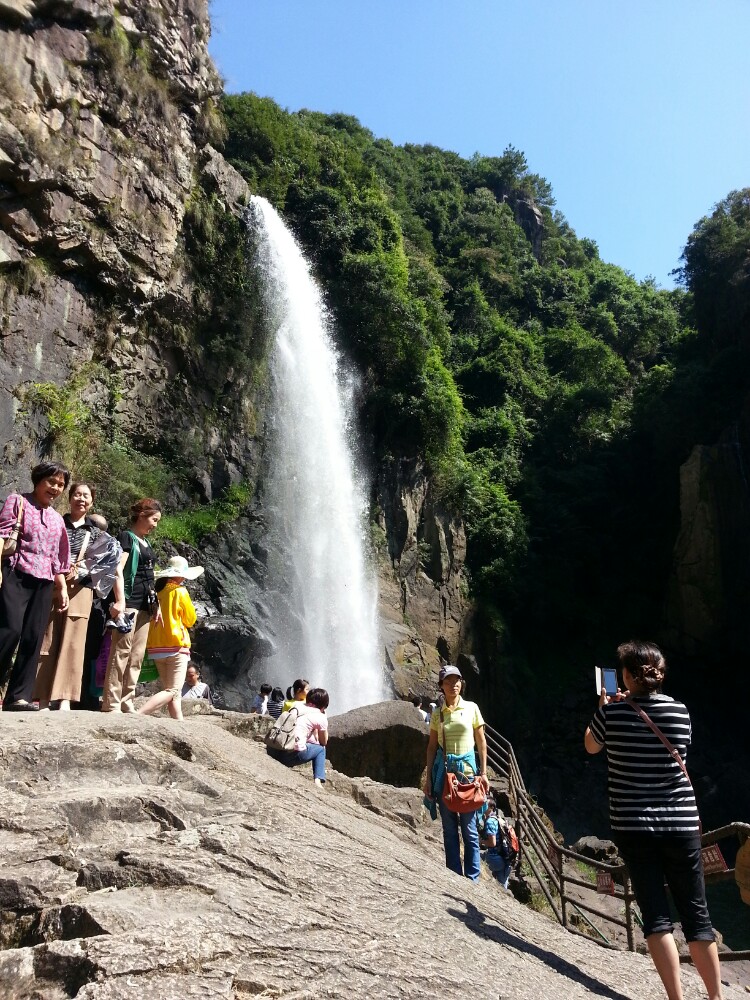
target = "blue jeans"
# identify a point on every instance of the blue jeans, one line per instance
(499, 866)
(468, 823)
(313, 751)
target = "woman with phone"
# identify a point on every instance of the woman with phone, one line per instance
(653, 812)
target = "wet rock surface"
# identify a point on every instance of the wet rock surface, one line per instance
(156, 859)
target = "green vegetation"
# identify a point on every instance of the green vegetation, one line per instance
(228, 327)
(78, 414)
(543, 386)
(69, 416)
(192, 526)
(127, 74)
(123, 474)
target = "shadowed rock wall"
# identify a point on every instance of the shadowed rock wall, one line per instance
(710, 586)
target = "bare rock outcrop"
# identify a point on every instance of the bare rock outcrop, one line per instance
(423, 600)
(173, 860)
(386, 742)
(710, 585)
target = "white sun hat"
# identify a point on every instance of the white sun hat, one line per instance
(178, 566)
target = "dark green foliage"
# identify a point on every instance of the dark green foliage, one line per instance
(716, 268)
(193, 525)
(544, 386)
(703, 388)
(225, 297)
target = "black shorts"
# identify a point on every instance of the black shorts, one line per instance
(652, 859)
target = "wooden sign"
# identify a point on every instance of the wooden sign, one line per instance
(553, 853)
(605, 883)
(713, 859)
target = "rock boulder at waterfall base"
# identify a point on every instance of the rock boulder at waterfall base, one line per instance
(387, 742)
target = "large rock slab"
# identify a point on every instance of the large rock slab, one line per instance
(143, 857)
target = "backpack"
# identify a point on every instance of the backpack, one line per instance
(281, 734)
(512, 841)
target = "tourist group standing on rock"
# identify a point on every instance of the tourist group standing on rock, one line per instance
(79, 608)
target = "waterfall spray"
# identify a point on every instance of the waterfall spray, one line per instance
(315, 498)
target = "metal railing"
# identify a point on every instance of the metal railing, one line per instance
(553, 865)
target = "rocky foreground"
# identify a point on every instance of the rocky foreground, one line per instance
(152, 859)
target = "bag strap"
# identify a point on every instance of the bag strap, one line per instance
(131, 566)
(652, 725)
(19, 515)
(674, 752)
(84, 546)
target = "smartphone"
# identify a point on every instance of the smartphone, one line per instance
(606, 677)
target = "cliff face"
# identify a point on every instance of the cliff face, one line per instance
(423, 602)
(710, 584)
(106, 169)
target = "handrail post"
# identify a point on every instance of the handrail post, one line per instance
(561, 877)
(519, 827)
(629, 912)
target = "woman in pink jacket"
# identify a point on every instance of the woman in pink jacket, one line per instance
(31, 577)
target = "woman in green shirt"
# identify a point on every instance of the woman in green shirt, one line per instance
(456, 741)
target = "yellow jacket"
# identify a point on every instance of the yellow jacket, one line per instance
(178, 613)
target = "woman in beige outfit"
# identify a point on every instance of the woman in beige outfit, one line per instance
(60, 668)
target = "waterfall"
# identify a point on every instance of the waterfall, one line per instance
(322, 590)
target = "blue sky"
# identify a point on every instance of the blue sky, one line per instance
(637, 113)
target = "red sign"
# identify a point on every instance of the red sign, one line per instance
(713, 859)
(605, 883)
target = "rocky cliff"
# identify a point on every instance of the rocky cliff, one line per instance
(710, 584)
(117, 223)
(423, 594)
(171, 860)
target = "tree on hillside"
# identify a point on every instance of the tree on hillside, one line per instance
(716, 269)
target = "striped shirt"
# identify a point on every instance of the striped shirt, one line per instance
(648, 791)
(457, 726)
(76, 535)
(43, 547)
